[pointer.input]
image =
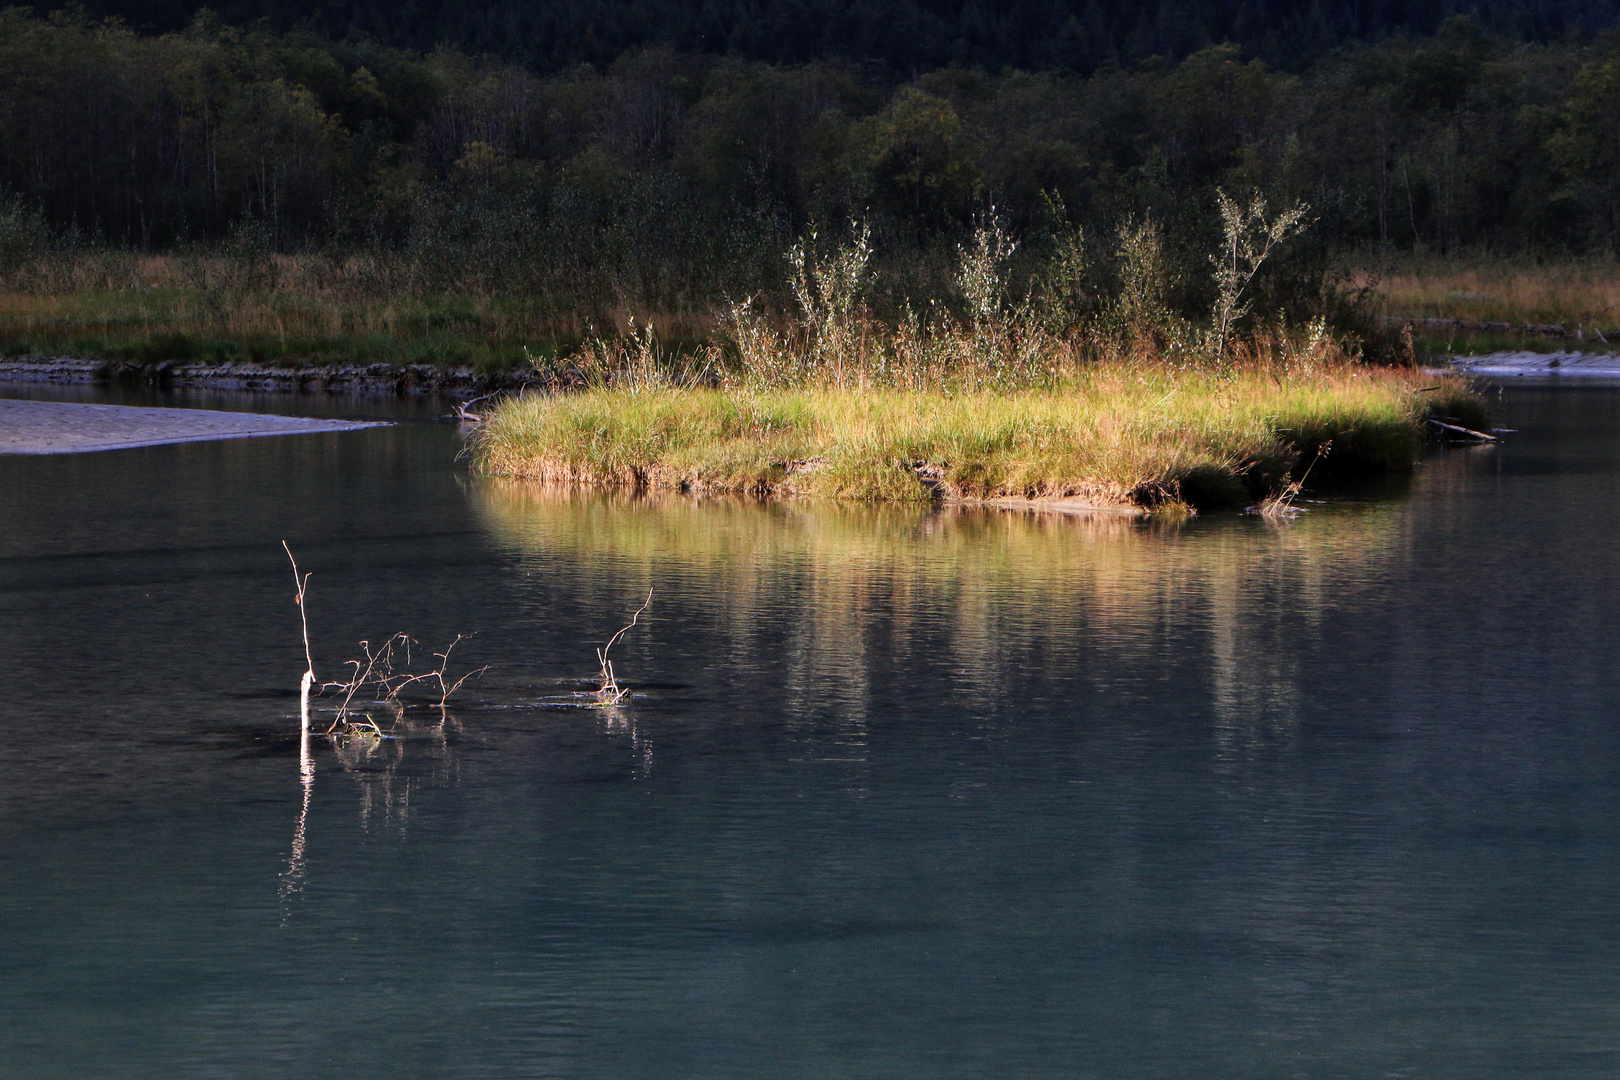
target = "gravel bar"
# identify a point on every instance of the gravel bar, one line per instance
(56, 427)
(1596, 365)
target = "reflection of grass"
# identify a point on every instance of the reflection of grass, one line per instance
(620, 526)
(1008, 584)
(830, 597)
(1114, 434)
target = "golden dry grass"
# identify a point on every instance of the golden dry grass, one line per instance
(1571, 294)
(1114, 433)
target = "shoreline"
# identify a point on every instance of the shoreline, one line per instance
(1518, 364)
(396, 379)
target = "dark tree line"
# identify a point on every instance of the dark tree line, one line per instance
(907, 38)
(690, 167)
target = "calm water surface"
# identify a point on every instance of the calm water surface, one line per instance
(899, 794)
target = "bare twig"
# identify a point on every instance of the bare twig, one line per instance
(1281, 504)
(444, 662)
(378, 670)
(611, 692)
(302, 583)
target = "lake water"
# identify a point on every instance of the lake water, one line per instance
(899, 793)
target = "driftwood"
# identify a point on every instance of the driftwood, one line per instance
(1460, 430)
(469, 417)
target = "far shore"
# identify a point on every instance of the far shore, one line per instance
(370, 378)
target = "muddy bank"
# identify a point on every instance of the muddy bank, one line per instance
(372, 378)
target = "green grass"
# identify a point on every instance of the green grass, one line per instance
(1125, 435)
(290, 310)
(185, 326)
(1581, 296)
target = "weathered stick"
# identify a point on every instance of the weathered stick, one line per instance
(611, 693)
(302, 582)
(1480, 435)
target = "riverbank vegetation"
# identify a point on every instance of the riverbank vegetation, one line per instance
(819, 276)
(221, 192)
(1115, 403)
(1477, 303)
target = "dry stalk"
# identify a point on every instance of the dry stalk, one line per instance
(302, 583)
(1280, 504)
(611, 693)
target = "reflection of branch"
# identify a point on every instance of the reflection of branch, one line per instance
(611, 692)
(292, 879)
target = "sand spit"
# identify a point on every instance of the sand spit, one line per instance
(55, 427)
(1594, 365)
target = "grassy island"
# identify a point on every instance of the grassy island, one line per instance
(1115, 436)
(1120, 405)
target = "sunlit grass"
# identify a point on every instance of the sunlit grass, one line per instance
(1580, 296)
(1117, 434)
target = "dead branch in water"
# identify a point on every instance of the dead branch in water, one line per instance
(611, 693)
(1460, 430)
(468, 417)
(377, 670)
(1280, 504)
(301, 581)
(446, 689)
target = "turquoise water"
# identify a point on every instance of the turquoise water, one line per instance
(897, 794)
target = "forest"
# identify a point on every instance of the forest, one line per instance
(903, 38)
(666, 180)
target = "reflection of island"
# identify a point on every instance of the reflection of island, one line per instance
(975, 594)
